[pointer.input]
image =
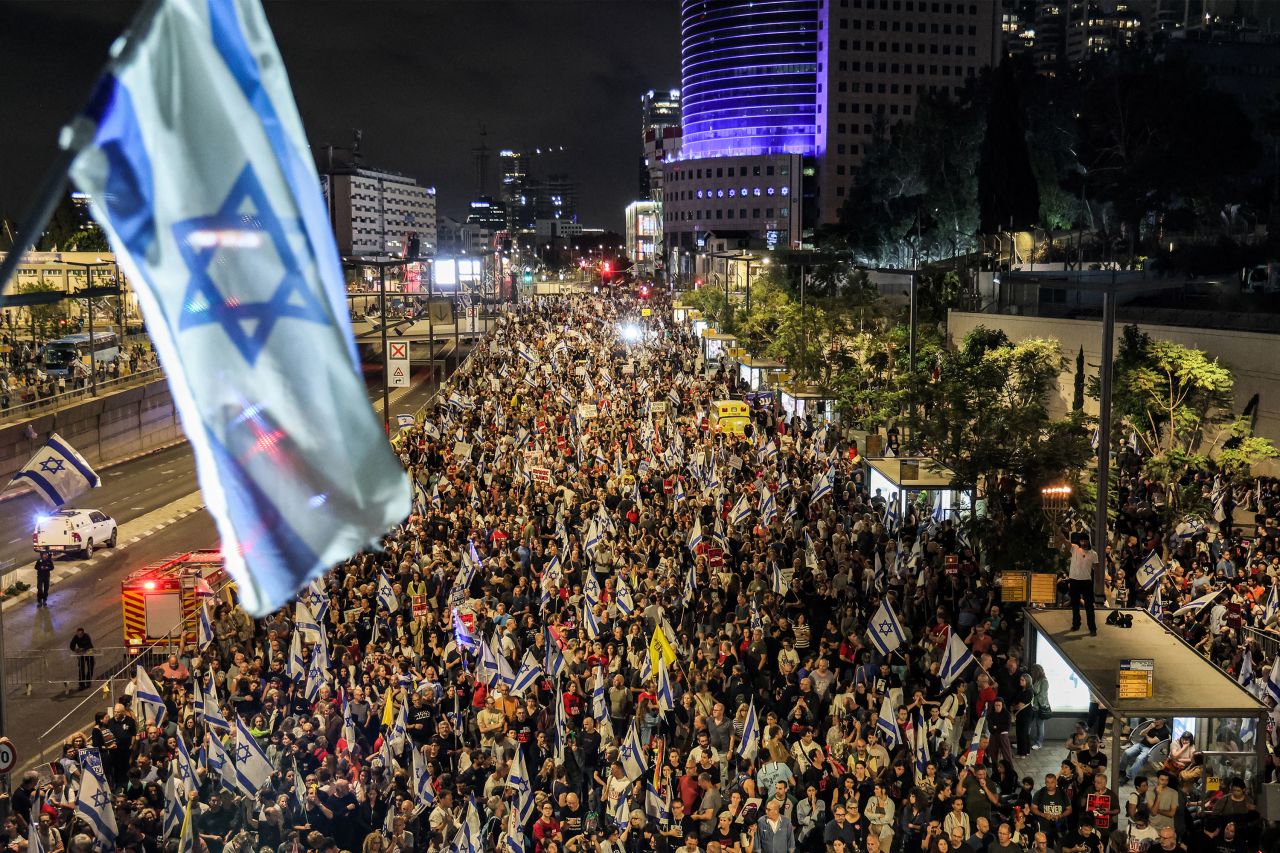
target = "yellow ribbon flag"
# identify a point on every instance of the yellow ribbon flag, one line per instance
(660, 648)
(388, 711)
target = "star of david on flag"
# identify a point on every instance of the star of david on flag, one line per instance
(884, 630)
(57, 472)
(216, 216)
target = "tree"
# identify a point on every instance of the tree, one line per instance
(1178, 404)
(1077, 397)
(1145, 126)
(914, 197)
(988, 421)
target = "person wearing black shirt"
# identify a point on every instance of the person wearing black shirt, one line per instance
(572, 816)
(1083, 839)
(1135, 757)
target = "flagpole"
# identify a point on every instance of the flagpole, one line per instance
(49, 193)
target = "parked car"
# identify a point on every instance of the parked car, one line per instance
(70, 531)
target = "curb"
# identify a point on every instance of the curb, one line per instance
(14, 601)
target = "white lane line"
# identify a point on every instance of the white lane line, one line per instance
(19, 539)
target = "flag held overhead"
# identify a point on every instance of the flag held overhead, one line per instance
(216, 216)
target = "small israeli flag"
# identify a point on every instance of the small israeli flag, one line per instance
(622, 597)
(528, 675)
(57, 472)
(1273, 606)
(599, 708)
(204, 628)
(887, 723)
(153, 707)
(386, 595)
(956, 658)
(666, 698)
(1150, 572)
(1156, 605)
(94, 804)
(884, 630)
(216, 216)
(519, 782)
(631, 754)
(253, 768)
(741, 512)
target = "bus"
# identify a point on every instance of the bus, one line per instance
(57, 357)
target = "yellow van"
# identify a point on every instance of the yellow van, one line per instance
(730, 416)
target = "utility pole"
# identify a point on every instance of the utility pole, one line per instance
(382, 313)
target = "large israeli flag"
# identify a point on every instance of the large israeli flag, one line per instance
(884, 630)
(57, 472)
(197, 166)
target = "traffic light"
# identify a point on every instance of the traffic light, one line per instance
(606, 267)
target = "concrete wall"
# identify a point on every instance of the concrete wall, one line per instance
(105, 429)
(1253, 357)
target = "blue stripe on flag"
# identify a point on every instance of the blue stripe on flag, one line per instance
(39, 481)
(130, 191)
(228, 38)
(74, 458)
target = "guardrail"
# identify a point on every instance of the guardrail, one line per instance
(57, 401)
(105, 688)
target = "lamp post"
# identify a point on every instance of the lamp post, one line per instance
(381, 266)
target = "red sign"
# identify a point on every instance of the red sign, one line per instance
(399, 350)
(561, 442)
(668, 485)
(715, 557)
(419, 606)
(542, 425)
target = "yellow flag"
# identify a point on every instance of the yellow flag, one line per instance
(660, 648)
(388, 712)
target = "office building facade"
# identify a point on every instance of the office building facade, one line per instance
(788, 93)
(376, 212)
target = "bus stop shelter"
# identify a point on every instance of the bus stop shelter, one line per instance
(759, 373)
(1184, 688)
(907, 476)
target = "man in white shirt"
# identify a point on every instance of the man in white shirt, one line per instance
(1084, 561)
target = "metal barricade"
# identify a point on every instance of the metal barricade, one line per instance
(1268, 642)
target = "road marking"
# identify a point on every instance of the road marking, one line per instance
(19, 539)
(138, 529)
(167, 471)
(131, 508)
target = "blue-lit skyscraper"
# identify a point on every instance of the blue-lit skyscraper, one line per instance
(750, 77)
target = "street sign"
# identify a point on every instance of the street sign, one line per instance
(8, 755)
(398, 364)
(1136, 679)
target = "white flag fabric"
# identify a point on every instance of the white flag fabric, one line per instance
(955, 660)
(198, 169)
(518, 781)
(631, 754)
(94, 803)
(1150, 572)
(253, 769)
(884, 630)
(57, 472)
(153, 708)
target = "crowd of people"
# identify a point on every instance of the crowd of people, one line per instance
(608, 627)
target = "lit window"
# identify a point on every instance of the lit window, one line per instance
(732, 193)
(744, 192)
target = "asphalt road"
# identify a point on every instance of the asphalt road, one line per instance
(152, 498)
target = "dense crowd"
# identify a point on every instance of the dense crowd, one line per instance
(607, 627)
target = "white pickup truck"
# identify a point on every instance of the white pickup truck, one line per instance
(74, 531)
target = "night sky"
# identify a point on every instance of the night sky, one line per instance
(419, 78)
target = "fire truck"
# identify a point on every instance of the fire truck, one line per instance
(161, 601)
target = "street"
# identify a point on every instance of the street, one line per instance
(156, 502)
